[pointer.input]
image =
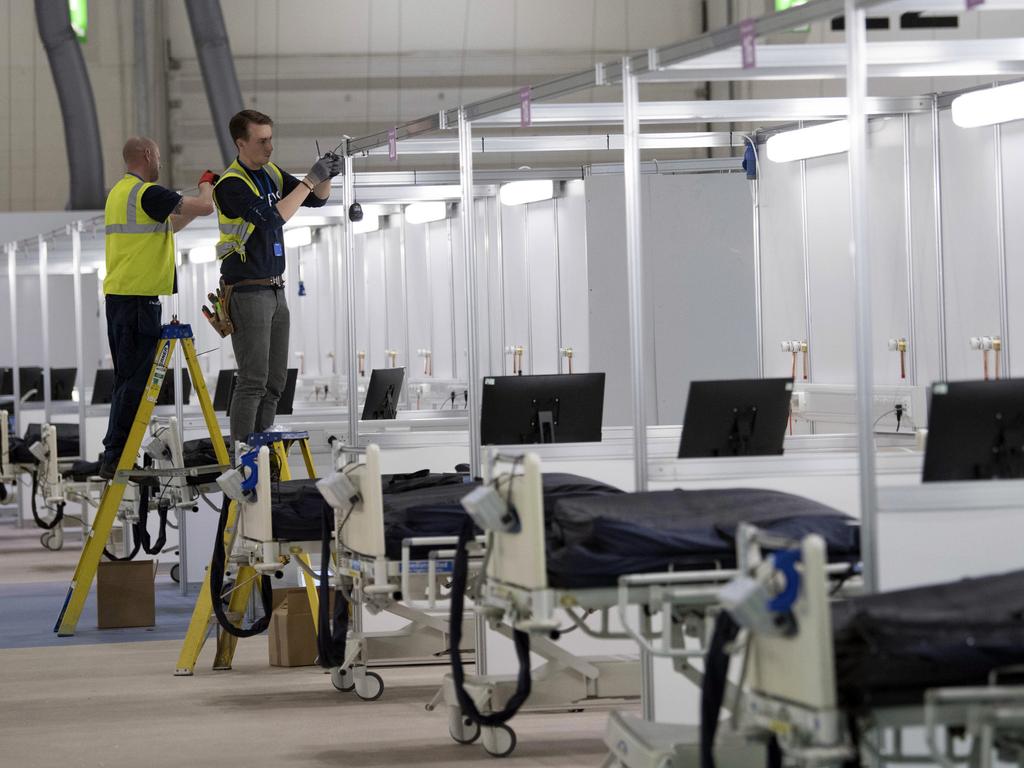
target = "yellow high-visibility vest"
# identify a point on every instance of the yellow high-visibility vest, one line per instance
(140, 250)
(234, 232)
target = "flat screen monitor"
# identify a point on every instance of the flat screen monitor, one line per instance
(285, 405)
(382, 394)
(558, 408)
(975, 431)
(166, 396)
(62, 381)
(736, 417)
(103, 386)
(31, 378)
(224, 389)
(6, 381)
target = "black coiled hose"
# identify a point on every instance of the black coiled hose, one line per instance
(58, 516)
(217, 564)
(521, 639)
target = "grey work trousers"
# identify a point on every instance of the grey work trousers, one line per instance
(260, 342)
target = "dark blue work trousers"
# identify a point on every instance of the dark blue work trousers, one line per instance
(133, 330)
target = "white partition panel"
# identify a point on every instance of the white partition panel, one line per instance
(459, 317)
(359, 257)
(830, 273)
(922, 221)
(782, 270)
(391, 295)
(1013, 204)
(969, 242)
(543, 289)
(442, 308)
(421, 325)
(572, 258)
(516, 279)
(375, 276)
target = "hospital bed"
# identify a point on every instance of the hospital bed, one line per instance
(571, 561)
(834, 684)
(379, 565)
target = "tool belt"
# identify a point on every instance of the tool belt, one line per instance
(220, 316)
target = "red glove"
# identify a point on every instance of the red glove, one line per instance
(208, 177)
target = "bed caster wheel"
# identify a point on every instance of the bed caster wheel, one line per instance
(51, 542)
(370, 687)
(176, 573)
(342, 679)
(462, 729)
(499, 741)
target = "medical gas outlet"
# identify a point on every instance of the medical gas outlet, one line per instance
(568, 354)
(900, 345)
(516, 351)
(986, 344)
(428, 361)
(798, 348)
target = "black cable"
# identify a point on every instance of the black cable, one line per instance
(217, 564)
(332, 631)
(520, 638)
(58, 514)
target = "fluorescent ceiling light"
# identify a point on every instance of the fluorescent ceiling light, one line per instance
(202, 254)
(297, 237)
(425, 212)
(529, 191)
(368, 224)
(989, 106)
(816, 141)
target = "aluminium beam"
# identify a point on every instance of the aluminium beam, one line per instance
(608, 142)
(889, 59)
(705, 111)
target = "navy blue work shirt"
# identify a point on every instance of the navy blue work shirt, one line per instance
(236, 200)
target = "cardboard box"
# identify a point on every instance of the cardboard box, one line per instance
(292, 639)
(125, 595)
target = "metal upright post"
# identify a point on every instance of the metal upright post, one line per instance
(635, 272)
(634, 262)
(349, 276)
(856, 93)
(44, 309)
(940, 262)
(76, 265)
(758, 289)
(12, 290)
(472, 289)
(912, 357)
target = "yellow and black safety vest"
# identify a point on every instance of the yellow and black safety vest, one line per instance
(235, 232)
(140, 250)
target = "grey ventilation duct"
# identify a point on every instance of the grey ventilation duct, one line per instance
(77, 107)
(219, 78)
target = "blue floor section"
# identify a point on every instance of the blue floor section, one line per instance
(29, 611)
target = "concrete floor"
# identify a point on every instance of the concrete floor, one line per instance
(119, 704)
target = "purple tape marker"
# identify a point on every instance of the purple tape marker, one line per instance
(525, 118)
(748, 33)
(974, 3)
(392, 143)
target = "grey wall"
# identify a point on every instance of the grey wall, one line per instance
(699, 282)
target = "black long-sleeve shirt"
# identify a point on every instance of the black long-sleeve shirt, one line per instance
(264, 250)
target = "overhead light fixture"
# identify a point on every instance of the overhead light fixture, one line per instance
(816, 141)
(527, 191)
(426, 212)
(297, 237)
(202, 254)
(989, 106)
(368, 224)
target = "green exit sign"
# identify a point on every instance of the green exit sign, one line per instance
(78, 10)
(785, 5)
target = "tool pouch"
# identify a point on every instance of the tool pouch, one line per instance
(220, 318)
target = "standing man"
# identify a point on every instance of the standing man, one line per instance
(254, 199)
(141, 218)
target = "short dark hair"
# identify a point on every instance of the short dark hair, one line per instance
(239, 125)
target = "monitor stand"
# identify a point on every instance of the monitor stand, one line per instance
(742, 431)
(546, 426)
(1007, 452)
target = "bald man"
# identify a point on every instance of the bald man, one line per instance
(141, 219)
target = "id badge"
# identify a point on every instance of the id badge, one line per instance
(278, 250)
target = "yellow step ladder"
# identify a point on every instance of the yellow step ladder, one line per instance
(202, 615)
(85, 572)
